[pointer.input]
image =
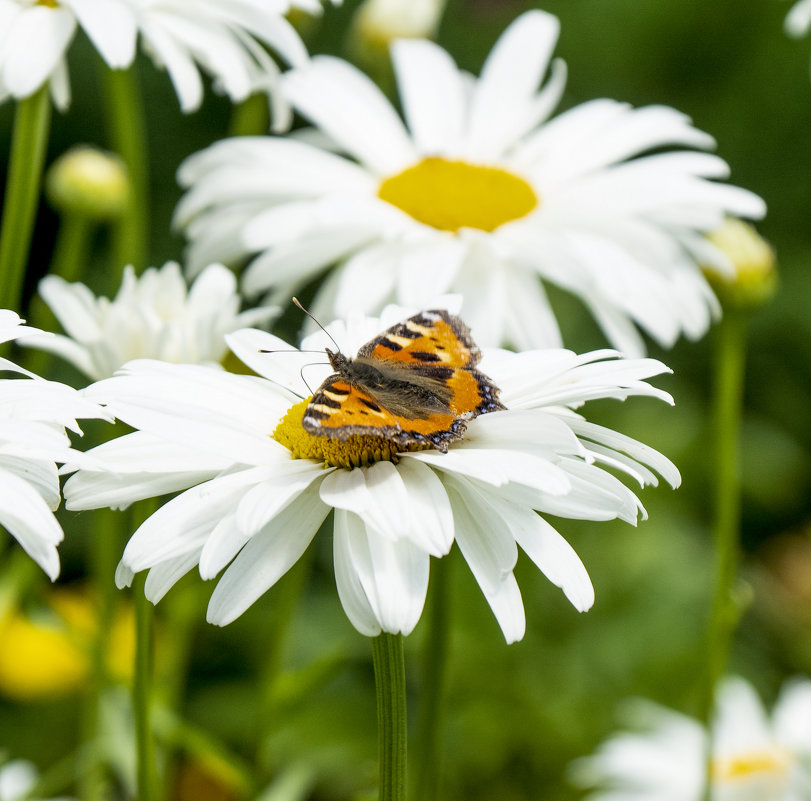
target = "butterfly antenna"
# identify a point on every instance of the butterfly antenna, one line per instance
(337, 346)
(301, 373)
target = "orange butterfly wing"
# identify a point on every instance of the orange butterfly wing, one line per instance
(425, 385)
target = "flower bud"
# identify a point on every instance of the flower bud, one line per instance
(377, 22)
(88, 182)
(754, 278)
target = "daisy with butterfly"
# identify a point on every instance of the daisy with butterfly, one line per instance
(490, 440)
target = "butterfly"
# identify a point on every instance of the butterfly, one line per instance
(415, 384)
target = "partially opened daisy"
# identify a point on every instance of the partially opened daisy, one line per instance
(225, 38)
(754, 757)
(34, 414)
(478, 192)
(153, 315)
(411, 450)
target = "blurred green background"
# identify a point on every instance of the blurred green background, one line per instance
(515, 716)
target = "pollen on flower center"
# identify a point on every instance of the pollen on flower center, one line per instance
(355, 451)
(450, 195)
(48, 3)
(750, 765)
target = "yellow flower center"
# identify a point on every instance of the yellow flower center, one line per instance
(48, 3)
(450, 195)
(356, 450)
(756, 764)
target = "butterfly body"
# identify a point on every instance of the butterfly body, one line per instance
(415, 384)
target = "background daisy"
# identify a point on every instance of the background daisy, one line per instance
(478, 193)
(153, 315)
(753, 756)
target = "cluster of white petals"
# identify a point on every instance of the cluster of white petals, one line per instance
(34, 414)
(153, 316)
(248, 507)
(225, 38)
(615, 224)
(753, 757)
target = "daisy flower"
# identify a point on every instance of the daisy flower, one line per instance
(478, 192)
(255, 487)
(34, 414)
(151, 316)
(226, 38)
(754, 757)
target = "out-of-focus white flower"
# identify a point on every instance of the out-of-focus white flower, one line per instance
(754, 758)
(33, 416)
(481, 194)
(225, 38)
(258, 486)
(152, 316)
(17, 779)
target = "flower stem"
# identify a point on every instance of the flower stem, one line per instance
(287, 597)
(28, 145)
(389, 666)
(435, 655)
(730, 357)
(103, 555)
(128, 132)
(250, 117)
(142, 692)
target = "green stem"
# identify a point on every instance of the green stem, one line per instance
(72, 250)
(128, 132)
(730, 358)
(142, 692)
(286, 595)
(389, 666)
(435, 655)
(251, 117)
(28, 145)
(104, 552)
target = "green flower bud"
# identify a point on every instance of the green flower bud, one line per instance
(89, 183)
(754, 281)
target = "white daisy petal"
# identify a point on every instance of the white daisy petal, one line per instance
(393, 575)
(40, 37)
(353, 111)
(433, 94)
(26, 516)
(165, 575)
(34, 414)
(508, 81)
(270, 553)
(354, 600)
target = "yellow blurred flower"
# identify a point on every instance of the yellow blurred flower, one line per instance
(50, 652)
